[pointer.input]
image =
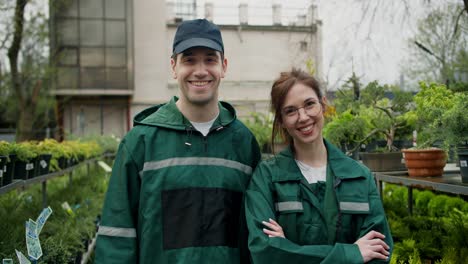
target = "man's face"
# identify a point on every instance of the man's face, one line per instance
(199, 71)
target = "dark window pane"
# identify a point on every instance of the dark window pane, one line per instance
(116, 57)
(91, 32)
(67, 78)
(68, 57)
(67, 32)
(92, 57)
(115, 33)
(91, 8)
(92, 78)
(117, 79)
(115, 8)
(67, 9)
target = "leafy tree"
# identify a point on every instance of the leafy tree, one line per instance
(437, 49)
(26, 81)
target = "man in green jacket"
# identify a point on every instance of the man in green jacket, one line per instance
(178, 181)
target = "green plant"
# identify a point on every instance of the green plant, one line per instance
(25, 151)
(456, 225)
(436, 231)
(260, 125)
(378, 116)
(455, 120)
(5, 148)
(346, 130)
(432, 102)
(63, 235)
(422, 200)
(108, 143)
(51, 146)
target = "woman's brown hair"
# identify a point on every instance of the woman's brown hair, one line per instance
(279, 90)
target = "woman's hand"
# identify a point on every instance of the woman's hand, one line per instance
(372, 246)
(274, 229)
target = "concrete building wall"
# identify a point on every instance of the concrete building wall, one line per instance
(151, 59)
(256, 55)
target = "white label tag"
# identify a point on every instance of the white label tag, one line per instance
(4, 168)
(29, 166)
(463, 163)
(43, 164)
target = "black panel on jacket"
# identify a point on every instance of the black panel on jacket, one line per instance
(198, 217)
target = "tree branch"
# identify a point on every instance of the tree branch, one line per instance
(15, 48)
(456, 23)
(421, 46)
(4, 41)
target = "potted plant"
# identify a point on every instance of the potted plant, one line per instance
(347, 131)
(371, 119)
(388, 119)
(455, 123)
(26, 155)
(432, 101)
(8, 159)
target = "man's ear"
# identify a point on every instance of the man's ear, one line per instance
(224, 65)
(173, 65)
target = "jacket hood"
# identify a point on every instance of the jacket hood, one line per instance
(167, 115)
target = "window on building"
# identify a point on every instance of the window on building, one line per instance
(92, 40)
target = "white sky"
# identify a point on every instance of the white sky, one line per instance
(374, 48)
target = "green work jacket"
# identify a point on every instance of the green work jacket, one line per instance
(314, 234)
(176, 196)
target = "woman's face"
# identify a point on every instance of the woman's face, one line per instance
(302, 115)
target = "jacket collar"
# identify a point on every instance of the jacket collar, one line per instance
(168, 115)
(341, 165)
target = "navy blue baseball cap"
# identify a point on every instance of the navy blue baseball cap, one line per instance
(197, 33)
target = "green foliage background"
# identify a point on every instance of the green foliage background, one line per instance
(63, 235)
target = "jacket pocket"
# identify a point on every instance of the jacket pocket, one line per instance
(288, 198)
(353, 197)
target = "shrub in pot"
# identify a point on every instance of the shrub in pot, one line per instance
(26, 155)
(347, 131)
(370, 118)
(455, 123)
(5, 178)
(432, 101)
(388, 119)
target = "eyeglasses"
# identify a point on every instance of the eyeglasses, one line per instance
(311, 108)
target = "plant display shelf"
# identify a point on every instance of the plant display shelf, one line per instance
(22, 184)
(450, 182)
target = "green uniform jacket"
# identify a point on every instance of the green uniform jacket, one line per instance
(176, 196)
(314, 234)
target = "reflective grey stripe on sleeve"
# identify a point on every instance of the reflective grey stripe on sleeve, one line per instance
(350, 206)
(288, 206)
(116, 231)
(156, 165)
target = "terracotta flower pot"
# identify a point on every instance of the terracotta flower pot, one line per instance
(425, 162)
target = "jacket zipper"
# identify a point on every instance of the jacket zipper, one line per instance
(205, 138)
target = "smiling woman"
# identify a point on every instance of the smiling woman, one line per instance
(311, 203)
